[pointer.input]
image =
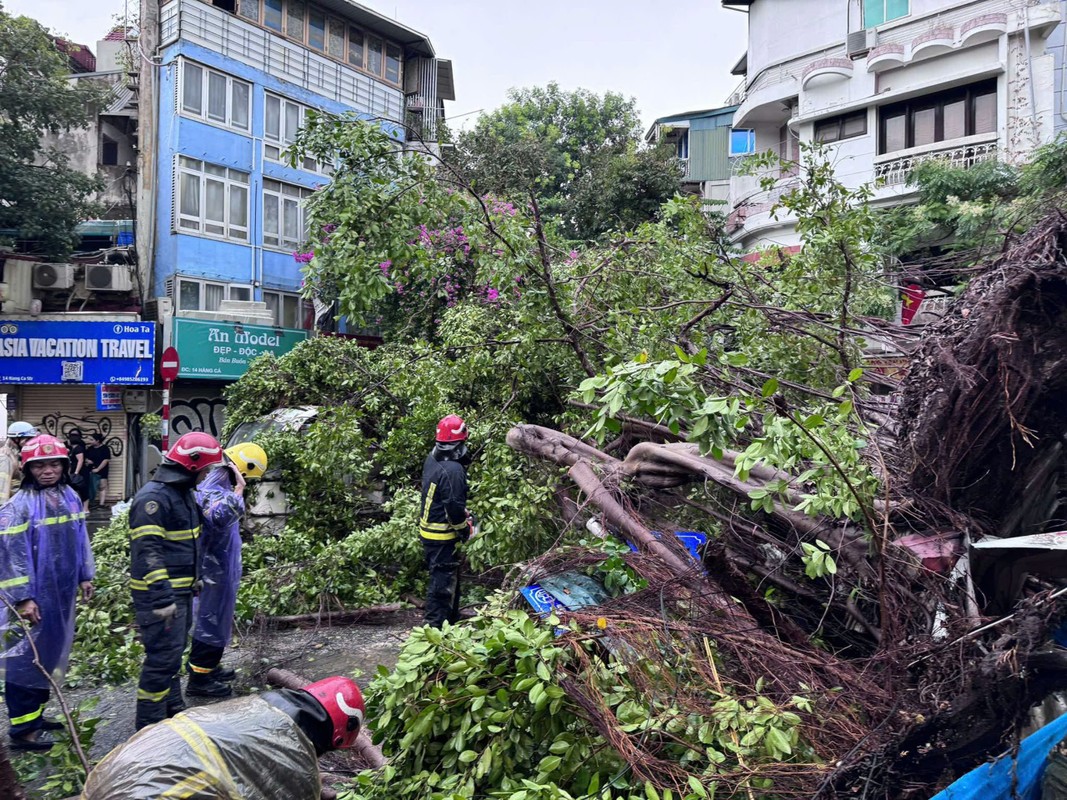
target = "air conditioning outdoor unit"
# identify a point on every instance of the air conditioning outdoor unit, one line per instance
(108, 278)
(860, 43)
(53, 276)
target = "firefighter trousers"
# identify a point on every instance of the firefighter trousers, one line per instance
(159, 690)
(442, 598)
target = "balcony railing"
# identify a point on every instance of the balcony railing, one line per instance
(224, 33)
(683, 164)
(896, 170)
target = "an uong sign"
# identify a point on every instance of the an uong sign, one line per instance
(46, 351)
(223, 350)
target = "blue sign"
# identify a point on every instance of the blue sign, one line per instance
(693, 541)
(108, 398)
(540, 600)
(46, 351)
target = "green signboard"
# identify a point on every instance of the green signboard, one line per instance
(223, 350)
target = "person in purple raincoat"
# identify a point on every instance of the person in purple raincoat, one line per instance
(45, 563)
(220, 496)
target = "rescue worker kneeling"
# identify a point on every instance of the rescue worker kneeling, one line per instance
(260, 747)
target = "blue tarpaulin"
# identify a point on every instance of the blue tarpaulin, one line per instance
(994, 781)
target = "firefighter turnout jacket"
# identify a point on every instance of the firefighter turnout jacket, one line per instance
(443, 516)
(164, 526)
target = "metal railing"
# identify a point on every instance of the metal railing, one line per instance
(224, 33)
(896, 170)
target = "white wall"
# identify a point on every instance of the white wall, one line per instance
(781, 29)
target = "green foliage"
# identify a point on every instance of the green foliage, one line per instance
(58, 773)
(106, 648)
(578, 153)
(818, 563)
(40, 195)
(479, 710)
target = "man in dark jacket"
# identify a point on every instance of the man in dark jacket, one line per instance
(444, 520)
(164, 526)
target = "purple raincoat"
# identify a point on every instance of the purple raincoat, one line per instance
(44, 555)
(220, 556)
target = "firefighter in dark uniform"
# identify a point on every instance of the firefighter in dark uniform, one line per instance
(444, 520)
(164, 526)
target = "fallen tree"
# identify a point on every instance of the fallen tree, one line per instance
(977, 436)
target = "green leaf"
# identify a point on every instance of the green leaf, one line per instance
(467, 756)
(770, 387)
(855, 375)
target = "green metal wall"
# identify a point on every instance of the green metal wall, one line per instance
(709, 154)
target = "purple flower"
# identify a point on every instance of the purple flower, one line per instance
(492, 295)
(304, 258)
(384, 267)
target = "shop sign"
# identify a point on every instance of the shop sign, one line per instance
(53, 351)
(109, 398)
(223, 350)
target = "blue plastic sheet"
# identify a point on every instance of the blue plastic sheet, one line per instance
(994, 781)
(220, 557)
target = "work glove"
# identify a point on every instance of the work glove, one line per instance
(166, 614)
(473, 527)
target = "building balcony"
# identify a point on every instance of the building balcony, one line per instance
(223, 33)
(683, 165)
(753, 196)
(894, 168)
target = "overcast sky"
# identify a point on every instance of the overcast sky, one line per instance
(671, 56)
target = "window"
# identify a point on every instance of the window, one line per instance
(742, 142)
(281, 120)
(682, 145)
(374, 56)
(212, 200)
(845, 126)
(355, 47)
(294, 19)
(966, 111)
(289, 310)
(272, 14)
(284, 226)
(875, 12)
(392, 63)
(317, 29)
(198, 295)
(215, 97)
(249, 9)
(336, 42)
(109, 151)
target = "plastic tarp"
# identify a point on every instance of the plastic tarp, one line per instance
(242, 749)
(44, 555)
(994, 781)
(220, 557)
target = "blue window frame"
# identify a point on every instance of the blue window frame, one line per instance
(875, 12)
(742, 142)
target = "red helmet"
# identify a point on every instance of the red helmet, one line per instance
(43, 448)
(195, 451)
(452, 429)
(343, 701)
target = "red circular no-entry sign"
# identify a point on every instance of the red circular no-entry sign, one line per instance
(168, 365)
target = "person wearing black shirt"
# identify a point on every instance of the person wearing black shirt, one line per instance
(99, 457)
(79, 467)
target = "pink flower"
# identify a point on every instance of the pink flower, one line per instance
(384, 267)
(492, 295)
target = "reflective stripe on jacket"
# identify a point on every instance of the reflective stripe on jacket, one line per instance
(164, 526)
(444, 500)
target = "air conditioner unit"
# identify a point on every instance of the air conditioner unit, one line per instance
(860, 43)
(53, 276)
(108, 278)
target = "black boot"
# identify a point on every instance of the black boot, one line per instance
(207, 686)
(224, 674)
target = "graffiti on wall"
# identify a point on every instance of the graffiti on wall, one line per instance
(198, 414)
(60, 426)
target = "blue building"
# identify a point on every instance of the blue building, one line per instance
(229, 86)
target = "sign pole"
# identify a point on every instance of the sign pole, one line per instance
(168, 371)
(166, 416)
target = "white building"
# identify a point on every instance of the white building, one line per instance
(888, 84)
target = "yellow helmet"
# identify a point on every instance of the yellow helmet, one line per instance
(249, 458)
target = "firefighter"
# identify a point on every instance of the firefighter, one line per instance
(443, 519)
(164, 526)
(45, 561)
(259, 747)
(220, 496)
(18, 433)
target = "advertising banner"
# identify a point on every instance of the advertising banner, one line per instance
(53, 351)
(223, 350)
